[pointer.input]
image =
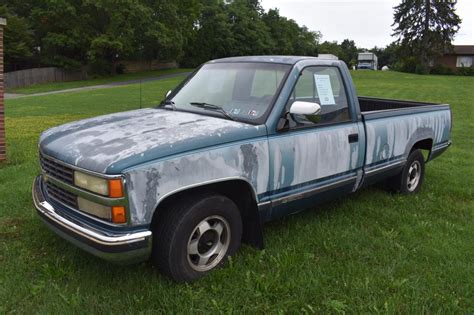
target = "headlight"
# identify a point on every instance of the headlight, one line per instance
(91, 183)
(107, 187)
(112, 188)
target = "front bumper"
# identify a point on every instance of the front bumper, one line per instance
(116, 247)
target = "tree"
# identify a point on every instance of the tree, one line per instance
(332, 48)
(425, 28)
(307, 42)
(100, 34)
(168, 29)
(18, 40)
(284, 32)
(349, 52)
(250, 34)
(387, 56)
(62, 32)
(288, 37)
(211, 36)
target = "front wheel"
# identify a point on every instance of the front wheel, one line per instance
(410, 179)
(196, 236)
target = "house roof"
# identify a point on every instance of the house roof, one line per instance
(463, 50)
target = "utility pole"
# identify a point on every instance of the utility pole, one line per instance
(3, 150)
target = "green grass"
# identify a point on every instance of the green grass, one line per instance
(47, 87)
(368, 252)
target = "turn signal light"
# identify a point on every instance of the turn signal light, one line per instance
(118, 214)
(115, 188)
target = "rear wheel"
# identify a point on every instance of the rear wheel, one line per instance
(195, 236)
(410, 179)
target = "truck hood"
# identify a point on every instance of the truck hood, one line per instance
(111, 143)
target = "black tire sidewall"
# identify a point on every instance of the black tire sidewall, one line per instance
(415, 155)
(192, 216)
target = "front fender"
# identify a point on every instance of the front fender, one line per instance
(151, 183)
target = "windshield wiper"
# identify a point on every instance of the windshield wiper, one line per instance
(212, 107)
(168, 102)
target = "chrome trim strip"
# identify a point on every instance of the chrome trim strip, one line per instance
(442, 146)
(436, 151)
(106, 201)
(263, 204)
(88, 215)
(307, 193)
(48, 210)
(77, 168)
(385, 167)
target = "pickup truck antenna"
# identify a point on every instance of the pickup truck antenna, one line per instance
(140, 93)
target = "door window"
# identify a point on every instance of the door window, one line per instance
(322, 85)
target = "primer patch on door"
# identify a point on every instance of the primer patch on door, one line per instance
(324, 88)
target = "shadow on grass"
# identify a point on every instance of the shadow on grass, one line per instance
(87, 265)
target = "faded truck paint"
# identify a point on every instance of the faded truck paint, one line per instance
(161, 152)
(111, 143)
(302, 157)
(392, 138)
(152, 182)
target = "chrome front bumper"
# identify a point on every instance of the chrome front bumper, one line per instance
(119, 248)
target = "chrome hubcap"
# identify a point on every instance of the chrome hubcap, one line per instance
(208, 243)
(414, 174)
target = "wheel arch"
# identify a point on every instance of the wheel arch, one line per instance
(424, 144)
(239, 190)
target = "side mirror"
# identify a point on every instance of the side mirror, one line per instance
(305, 108)
(168, 93)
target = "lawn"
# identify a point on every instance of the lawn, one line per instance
(368, 252)
(47, 87)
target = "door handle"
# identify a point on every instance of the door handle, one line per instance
(354, 137)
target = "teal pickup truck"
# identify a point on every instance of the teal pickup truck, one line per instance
(239, 142)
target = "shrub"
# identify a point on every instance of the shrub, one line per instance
(441, 69)
(407, 64)
(466, 71)
(421, 69)
(100, 67)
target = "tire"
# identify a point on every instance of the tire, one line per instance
(196, 236)
(411, 178)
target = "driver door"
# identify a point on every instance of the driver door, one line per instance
(319, 156)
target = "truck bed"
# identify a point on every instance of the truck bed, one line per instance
(369, 104)
(372, 107)
(394, 126)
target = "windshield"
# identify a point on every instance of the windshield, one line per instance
(243, 90)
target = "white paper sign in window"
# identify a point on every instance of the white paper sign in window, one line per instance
(324, 88)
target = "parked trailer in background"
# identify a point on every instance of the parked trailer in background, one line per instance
(367, 61)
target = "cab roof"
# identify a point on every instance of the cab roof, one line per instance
(290, 60)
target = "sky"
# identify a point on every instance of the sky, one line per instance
(367, 22)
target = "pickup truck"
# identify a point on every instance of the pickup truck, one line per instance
(239, 142)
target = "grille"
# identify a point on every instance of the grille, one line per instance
(57, 170)
(61, 195)
(62, 173)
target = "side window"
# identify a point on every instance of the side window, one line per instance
(304, 90)
(322, 85)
